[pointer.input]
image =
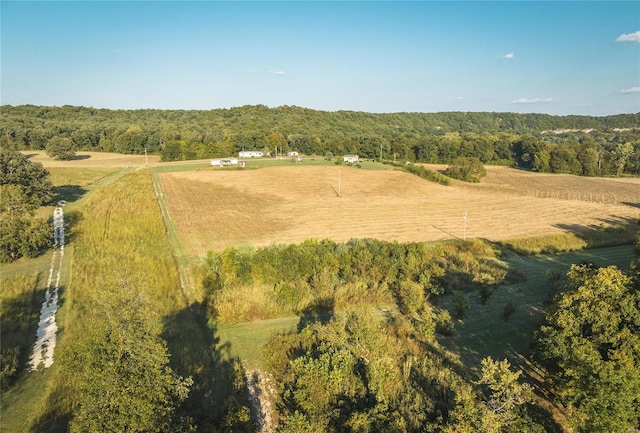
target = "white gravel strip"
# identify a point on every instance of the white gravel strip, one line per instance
(47, 328)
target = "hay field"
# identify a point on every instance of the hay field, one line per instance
(214, 209)
(92, 159)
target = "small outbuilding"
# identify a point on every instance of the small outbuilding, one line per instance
(351, 159)
(250, 154)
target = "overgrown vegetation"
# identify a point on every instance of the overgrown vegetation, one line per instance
(243, 283)
(469, 169)
(426, 173)
(366, 372)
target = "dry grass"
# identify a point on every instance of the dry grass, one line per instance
(92, 159)
(215, 209)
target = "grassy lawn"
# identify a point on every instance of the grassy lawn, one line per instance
(483, 332)
(246, 340)
(22, 400)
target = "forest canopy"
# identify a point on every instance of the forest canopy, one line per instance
(581, 145)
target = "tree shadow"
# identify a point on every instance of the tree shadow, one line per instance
(628, 203)
(18, 325)
(320, 311)
(68, 193)
(610, 232)
(79, 157)
(219, 382)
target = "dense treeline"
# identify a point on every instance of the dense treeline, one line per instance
(562, 144)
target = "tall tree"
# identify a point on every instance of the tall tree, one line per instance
(61, 148)
(31, 177)
(591, 347)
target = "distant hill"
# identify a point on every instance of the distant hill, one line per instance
(428, 137)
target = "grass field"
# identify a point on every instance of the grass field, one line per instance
(93, 159)
(213, 209)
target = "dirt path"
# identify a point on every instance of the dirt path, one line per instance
(260, 391)
(47, 327)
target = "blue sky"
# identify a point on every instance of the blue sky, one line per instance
(577, 57)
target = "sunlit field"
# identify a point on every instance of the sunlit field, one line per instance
(213, 209)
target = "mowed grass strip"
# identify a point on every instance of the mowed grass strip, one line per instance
(214, 209)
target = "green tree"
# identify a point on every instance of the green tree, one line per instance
(61, 148)
(541, 161)
(504, 393)
(127, 384)
(460, 305)
(469, 169)
(591, 346)
(21, 234)
(32, 178)
(622, 154)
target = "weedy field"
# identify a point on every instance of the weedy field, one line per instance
(213, 209)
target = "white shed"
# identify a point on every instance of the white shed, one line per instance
(350, 159)
(251, 154)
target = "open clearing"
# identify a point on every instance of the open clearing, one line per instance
(213, 209)
(92, 159)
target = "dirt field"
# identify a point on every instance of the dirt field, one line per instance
(93, 159)
(215, 209)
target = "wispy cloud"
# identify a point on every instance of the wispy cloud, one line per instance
(630, 90)
(629, 37)
(508, 56)
(532, 100)
(277, 72)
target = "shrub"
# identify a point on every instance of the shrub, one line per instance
(508, 310)
(460, 305)
(467, 169)
(444, 324)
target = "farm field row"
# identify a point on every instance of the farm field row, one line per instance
(213, 209)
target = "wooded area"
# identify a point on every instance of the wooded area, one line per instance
(581, 145)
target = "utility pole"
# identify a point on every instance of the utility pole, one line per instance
(464, 235)
(339, 182)
(146, 162)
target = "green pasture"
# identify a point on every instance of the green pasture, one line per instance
(255, 163)
(245, 340)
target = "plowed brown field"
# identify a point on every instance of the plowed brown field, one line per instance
(214, 209)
